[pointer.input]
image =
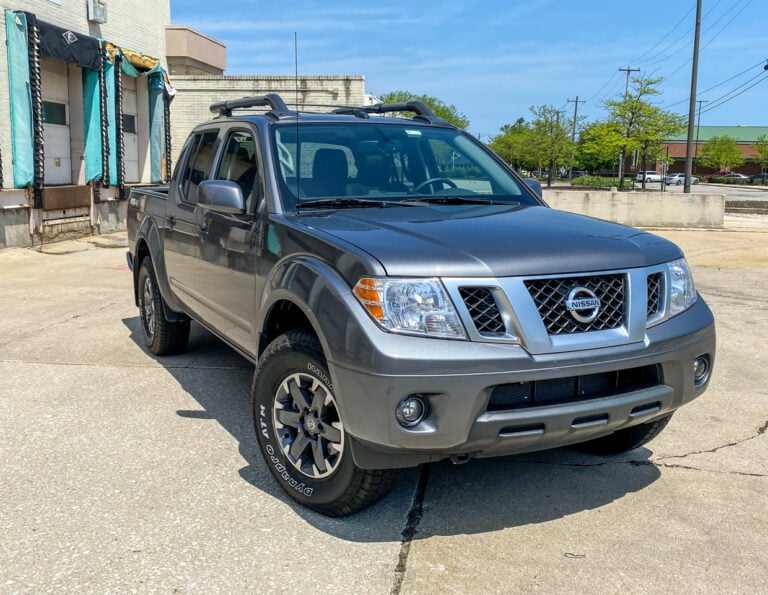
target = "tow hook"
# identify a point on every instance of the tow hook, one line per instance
(461, 459)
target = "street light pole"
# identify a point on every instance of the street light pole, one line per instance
(692, 101)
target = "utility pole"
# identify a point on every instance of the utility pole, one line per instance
(629, 71)
(692, 101)
(573, 132)
(623, 155)
(698, 123)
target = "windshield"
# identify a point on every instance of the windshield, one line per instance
(388, 163)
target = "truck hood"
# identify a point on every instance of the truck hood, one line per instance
(491, 240)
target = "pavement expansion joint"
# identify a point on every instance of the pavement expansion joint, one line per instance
(411, 529)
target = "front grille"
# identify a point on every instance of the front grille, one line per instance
(573, 388)
(654, 293)
(550, 296)
(483, 309)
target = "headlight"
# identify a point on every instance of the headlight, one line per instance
(682, 293)
(412, 306)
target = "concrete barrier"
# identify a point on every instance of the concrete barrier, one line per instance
(642, 209)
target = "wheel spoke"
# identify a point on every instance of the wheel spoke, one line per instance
(318, 453)
(288, 417)
(298, 447)
(330, 433)
(299, 393)
(318, 398)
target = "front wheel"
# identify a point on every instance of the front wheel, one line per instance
(301, 432)
(626, 439)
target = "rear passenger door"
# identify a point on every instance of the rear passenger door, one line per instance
(184, 221)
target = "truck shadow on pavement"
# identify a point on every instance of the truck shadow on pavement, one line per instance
(482, 496)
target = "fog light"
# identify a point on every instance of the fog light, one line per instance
(411, 410)
(701, 370)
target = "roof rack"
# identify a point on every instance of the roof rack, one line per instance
(271, 100)
(417, 107)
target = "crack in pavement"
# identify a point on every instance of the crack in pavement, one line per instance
(35, 331)
(760, 431)
(411, 528)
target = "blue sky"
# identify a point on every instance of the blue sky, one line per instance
(494, 59)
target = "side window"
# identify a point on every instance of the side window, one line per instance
(458, 166)
(238, 164)
(198, 166)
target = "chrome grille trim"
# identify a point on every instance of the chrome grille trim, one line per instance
(550, 294)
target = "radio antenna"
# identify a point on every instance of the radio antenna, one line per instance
(298, 146)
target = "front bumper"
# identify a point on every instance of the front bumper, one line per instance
(459, 377)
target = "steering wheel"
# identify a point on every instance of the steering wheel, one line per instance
(431, 181)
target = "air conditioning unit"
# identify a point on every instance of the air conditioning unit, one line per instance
(97, 11)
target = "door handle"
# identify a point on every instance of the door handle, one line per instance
(203, 231)
(171, 221)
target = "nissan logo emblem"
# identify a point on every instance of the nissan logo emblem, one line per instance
(583, 304)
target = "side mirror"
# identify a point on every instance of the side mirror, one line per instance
(534, 185)
(222, 196)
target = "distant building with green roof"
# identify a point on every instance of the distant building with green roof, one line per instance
(745, 137)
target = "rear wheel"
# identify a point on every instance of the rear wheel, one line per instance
(161, 336)
(301, 432)
(626, 439)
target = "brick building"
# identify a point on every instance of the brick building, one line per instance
(98, 95)
(745, 137)
(82, 98)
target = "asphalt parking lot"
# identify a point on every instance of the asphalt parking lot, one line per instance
(122, 472)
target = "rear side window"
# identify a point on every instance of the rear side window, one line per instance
(198, 166)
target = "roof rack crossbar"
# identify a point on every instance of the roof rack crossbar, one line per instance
(417, 107)
(271, 100)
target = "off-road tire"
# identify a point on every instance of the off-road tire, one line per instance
(161, 336)
(295, 410)
(625, 440)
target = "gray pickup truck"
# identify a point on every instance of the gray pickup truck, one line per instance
(406, 298)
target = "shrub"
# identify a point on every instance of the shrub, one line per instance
(722, 180)
(600, 182)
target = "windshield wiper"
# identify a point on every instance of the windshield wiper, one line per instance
(449, 200)
(340, 203)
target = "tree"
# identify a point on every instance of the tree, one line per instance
(721, 153)
(513, 145)
(599, 146)
(550, 138)
(657, 126)
(761, 150)
(442, 110)
(641, 125)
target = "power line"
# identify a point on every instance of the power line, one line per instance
(684, 64)
(665, 36)
(608, 82)
(724, 101)
(717, 85)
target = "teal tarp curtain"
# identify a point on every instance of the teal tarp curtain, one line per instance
(21, 99)
(156, 83)
(109, 74)
(92, 120)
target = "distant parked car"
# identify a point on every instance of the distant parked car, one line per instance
(648, 176)
(578, 173)
(758, 178)
(679, 179)
(738, 176)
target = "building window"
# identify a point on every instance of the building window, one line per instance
(129, 123)
(54, 113)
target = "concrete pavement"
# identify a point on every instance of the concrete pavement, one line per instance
(123, 472)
